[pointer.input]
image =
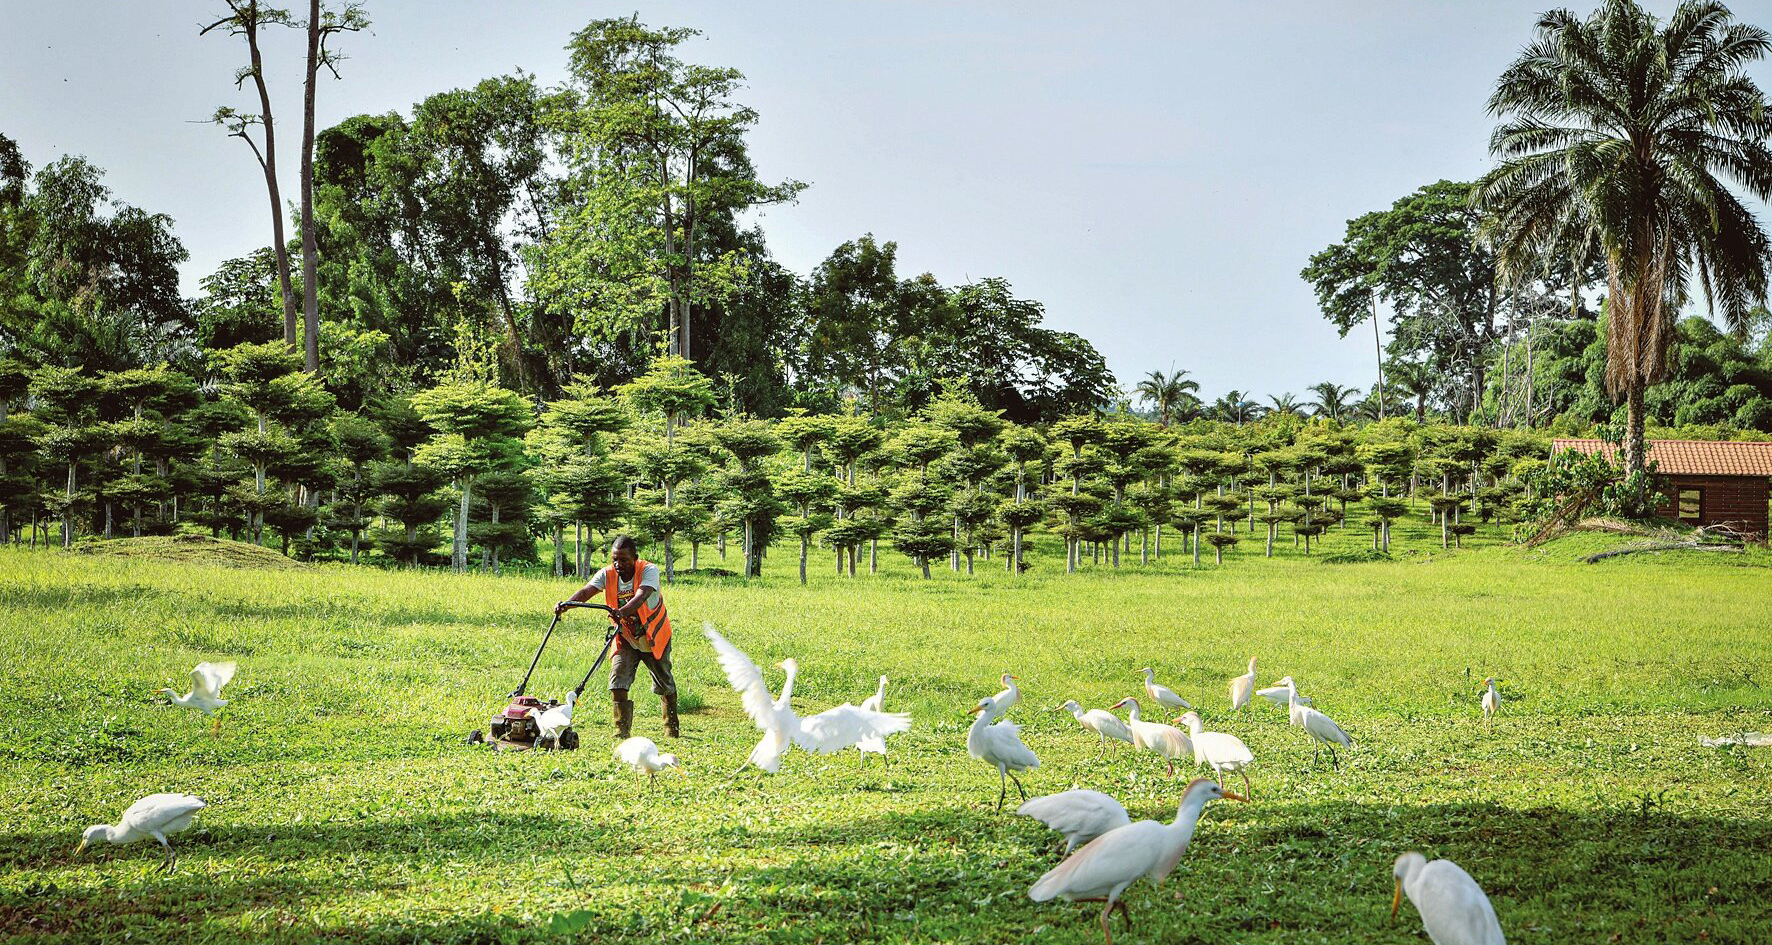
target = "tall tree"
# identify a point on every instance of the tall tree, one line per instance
(655, 146)
(1631, 131)
(322, 24)
(244, 19)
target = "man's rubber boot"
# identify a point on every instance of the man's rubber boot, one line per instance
(670, 713)
(624, 713)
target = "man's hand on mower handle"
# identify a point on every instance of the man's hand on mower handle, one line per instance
(562, 607)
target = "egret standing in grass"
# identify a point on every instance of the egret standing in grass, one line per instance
(1165, 740)
(1101, 722)
(551, 722)
(1001, 702)
(1219, 751)
(1104, 867)
(1282, 693)
(873, 744)
(207, 680)
(642, 755)
(157, 815)
(1453, 908)
(999, 745)
(1162, 695)
(1321, 727)
(1491, 702)
(1242, 687)
(1080, 815)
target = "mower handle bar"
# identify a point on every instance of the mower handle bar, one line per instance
(545, 637)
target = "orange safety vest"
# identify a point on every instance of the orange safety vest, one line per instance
(655, 625)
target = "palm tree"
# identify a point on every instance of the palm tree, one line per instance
(1623, 132)
(1414, 381)
(1166, 392)
(1333, 400)
(1236, 407)
(1286, 405)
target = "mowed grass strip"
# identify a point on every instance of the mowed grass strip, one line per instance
(345, 807)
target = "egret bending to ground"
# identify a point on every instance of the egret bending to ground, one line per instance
(1491, 701)
(1222, 752)
(551, 722)
(1010, 695)
(1101, 722)
(157, 816)
(1162, 695)
(999, 745)
(642, 755)
(1321, 727)
(1105, 866)
(1242, 687)
(1165, 740)
(1080, 815)
(207, 680)
(1453, 908)
(1280, 693)
(872, 744)
(828, 731)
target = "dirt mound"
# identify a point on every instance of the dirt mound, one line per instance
(199, 549)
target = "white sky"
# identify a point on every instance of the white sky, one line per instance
(1156, 173)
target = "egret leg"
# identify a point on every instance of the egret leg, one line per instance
(1018, 790)
(1106, 933)
(1248, 791)
(1334, 762)
(1125, 912)
(1171, 767)
(1002, 778)
(170, 862)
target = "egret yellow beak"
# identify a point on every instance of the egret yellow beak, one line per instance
(1234, 797)
(975, 710)
(1175, 721)
(1397, 900)
(81, 847)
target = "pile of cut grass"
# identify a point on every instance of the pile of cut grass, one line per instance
(191, 549)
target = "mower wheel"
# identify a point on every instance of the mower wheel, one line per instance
(476, 737)
(569, 739)
(545, 744)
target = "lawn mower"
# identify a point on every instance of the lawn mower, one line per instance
(517, 727)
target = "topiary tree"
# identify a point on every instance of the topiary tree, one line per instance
(69, 406)
(477, 426)
(811, 494)
(360, 443)
(751, 495)
(1023, 446)
(1076, 433)
(1219, 542)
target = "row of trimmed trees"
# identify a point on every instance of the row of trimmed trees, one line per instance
(257, 449)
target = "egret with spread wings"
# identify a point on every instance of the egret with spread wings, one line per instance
(829, 731)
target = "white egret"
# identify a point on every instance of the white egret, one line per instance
(1321, 727)
(1165, 740)
(1162, 695)
(207, 680)
(999, 745)
(157, 816)
(1280, 693)
(643, 756)
(1010, 695)
(829, 731)
(1242, 687)
(1080, 815)
(1491, 701)
(874, 703)
(1105, 866)
(551, 722)
(1100, 721)
(1453, 908)
(1219, 751)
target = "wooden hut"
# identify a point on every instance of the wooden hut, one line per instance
(1707, 482)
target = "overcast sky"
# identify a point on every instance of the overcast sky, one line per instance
(1155, 173)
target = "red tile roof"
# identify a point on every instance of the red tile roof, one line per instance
(1691, 457)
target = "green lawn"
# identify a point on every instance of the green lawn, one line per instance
(343, 804)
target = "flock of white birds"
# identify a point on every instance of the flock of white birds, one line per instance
(1105, 850)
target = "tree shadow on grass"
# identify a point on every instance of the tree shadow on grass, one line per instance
(1271, 871)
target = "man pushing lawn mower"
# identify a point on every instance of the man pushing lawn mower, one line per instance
(630, 588)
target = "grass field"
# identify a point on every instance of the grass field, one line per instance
(344, 806)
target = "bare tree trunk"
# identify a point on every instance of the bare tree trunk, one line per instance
(1378, 346)
(459, 554)
(1635, 449)
(310, 255)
